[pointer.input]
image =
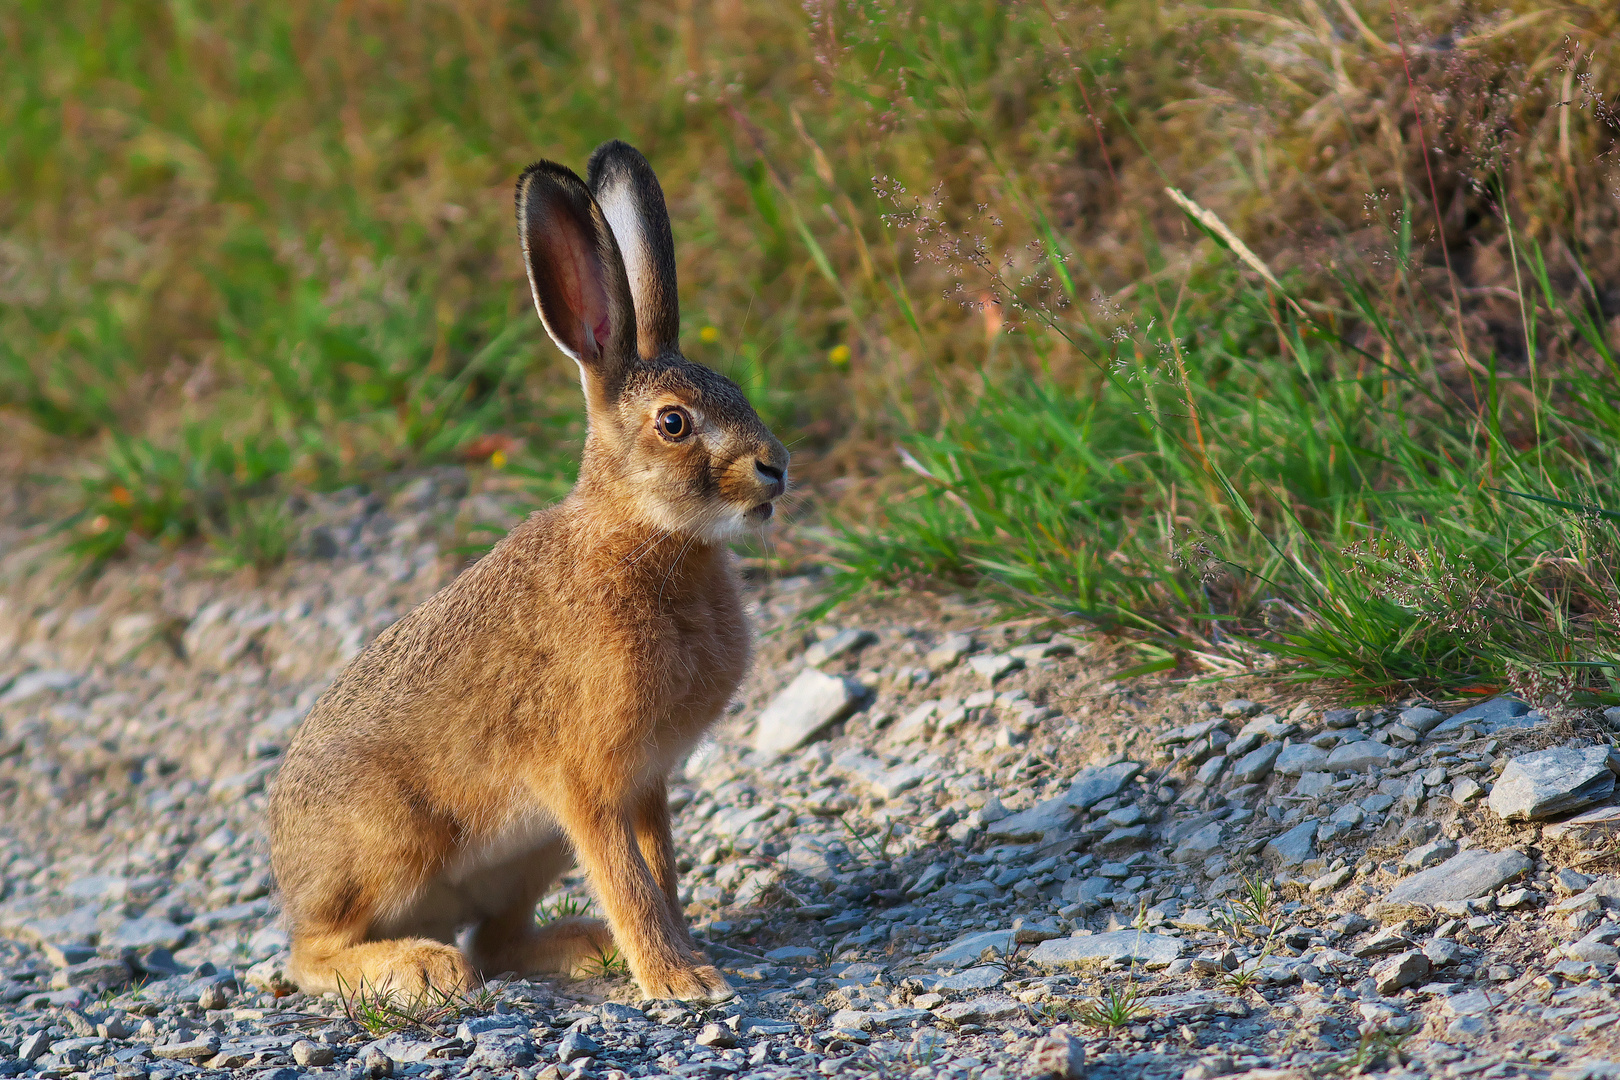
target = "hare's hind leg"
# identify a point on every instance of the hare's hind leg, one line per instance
(339, 943)
(415, 967)
(509, 940)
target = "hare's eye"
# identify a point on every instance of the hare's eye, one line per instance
(674, 424)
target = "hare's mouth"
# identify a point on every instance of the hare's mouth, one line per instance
(761, 513)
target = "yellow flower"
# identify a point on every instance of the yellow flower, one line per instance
(709, 335)
(839, 355)
(498, 459)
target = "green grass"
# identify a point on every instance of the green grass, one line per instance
(1259, 492)
(567, 907)
(1111, 1009)
(247, 251)
(606, 964)
(380, 1013)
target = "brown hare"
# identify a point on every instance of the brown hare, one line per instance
(528, 714)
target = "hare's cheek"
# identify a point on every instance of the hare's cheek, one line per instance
(738, 484)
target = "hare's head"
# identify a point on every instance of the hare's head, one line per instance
(675, 444)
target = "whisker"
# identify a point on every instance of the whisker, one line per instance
(674, 564)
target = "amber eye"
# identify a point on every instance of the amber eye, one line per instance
(674, 424)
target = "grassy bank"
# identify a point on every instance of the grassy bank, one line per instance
(248, 251)
(1256, 492)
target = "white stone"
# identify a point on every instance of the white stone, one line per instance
(993, 666)
(915, 723)
(730, 823)
(1487, 716)
(35, 683)
(981, 1010)
(1058, 1056)
(1427, 855)
(865, 1020)
(1604, 821)
(1422, 719)
(845, 641)
(195, 1049)
(1186, 734)
(1200, 845)
(1118, 946)
(809, 704)
(1400, 971)
(1193, 1005)
(1592, 952)
(949, 653)
(1473, 1003)
(1268, 726)
(146, 933)
(1314, 785)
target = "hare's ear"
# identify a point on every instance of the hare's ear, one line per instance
(633, 203)
(577, 276)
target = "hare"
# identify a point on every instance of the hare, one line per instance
(528, 714)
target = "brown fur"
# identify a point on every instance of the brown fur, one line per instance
(528, 713)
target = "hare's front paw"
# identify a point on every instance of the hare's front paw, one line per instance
(688, 984)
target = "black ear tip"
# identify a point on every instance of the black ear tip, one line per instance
(543, 167)
(615, 154)
(548, 176)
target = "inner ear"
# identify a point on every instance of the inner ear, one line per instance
(567, 260)
(572, 285)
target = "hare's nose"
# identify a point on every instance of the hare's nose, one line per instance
(772, 476)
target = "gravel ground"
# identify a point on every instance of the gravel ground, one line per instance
(923, 844)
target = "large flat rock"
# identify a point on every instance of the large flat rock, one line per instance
(1097, 783)
(1604, 821)
(1294, 846)
(82, 924)
(1487, 716)
(1465, 876)
(812, 856)
(144, 933)
(1361, 756)
(1193, 1005)
(868, 1020)
(1298, 758)
(966, 949)
(1550, 782)
(1253, 767)
(1051, 816)
(1117, 946)
(808, 705)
